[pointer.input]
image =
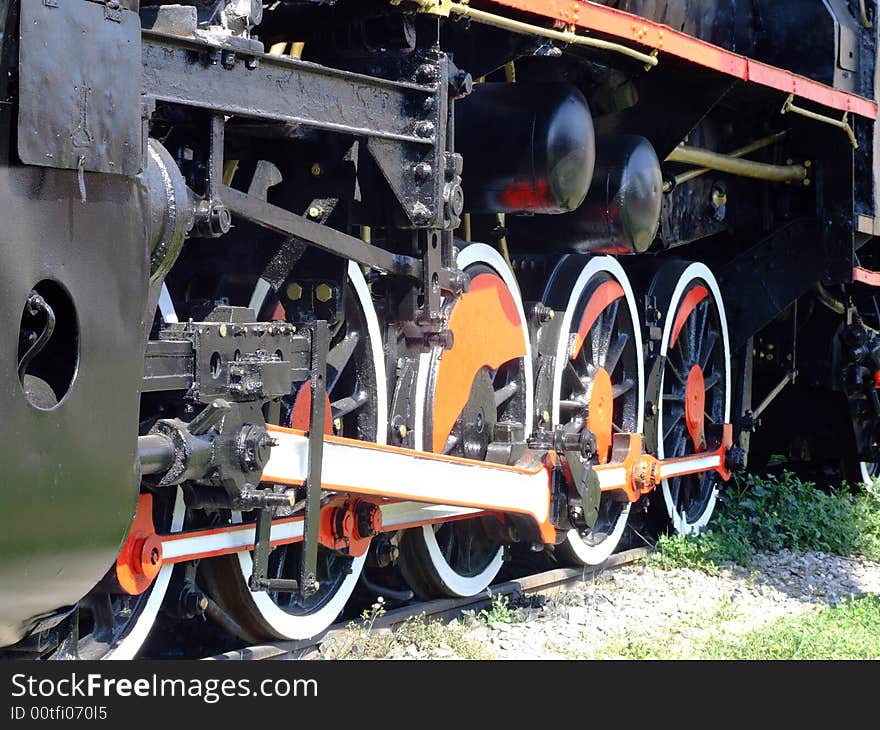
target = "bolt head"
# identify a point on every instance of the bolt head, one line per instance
(294, 292)
(323, 293)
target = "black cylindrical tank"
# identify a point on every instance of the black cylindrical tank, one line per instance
(621, 213)
(526, 147)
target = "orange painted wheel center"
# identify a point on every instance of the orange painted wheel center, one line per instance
(695, 407)
(600, 413)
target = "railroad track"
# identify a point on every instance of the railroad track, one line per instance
(441, 609)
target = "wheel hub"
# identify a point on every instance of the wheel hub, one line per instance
(477, 422)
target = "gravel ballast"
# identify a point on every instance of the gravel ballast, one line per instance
(637, 605)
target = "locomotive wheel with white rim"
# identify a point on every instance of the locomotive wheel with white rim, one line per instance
(113, 625)
(693, 390)
(457, 407)
(591, 375)
(357, 409)
(869, 471)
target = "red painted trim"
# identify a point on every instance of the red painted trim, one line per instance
(486, 332)
(601, 299)
(633, 29)
(281, 541)
(866, 276)
(686, 308)
(695, 407)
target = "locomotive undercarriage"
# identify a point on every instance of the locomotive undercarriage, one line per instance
(362, 358)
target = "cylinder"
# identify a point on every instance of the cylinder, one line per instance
(171, 209)
(527, 148)
(621, 213)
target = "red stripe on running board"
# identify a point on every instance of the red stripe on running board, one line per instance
(866, 276)
(632, 28)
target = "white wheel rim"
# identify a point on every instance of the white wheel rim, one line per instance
(130, 644)
(453, 581)
(694, 271)
(595, 554)
(308, 625)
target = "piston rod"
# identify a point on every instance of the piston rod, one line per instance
(156, 453)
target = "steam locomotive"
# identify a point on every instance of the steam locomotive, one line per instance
(306, 296)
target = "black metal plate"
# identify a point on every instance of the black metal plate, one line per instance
(89, 66)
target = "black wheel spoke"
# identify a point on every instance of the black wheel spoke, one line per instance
(707, 348)
(349, 404)
(505, 393)
(572, 405)
(573, 378)
(675, 427)
(623, 387)
(339, 356)
(615, 350)
(682, 379)
(712, 381)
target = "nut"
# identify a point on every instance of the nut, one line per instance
(323, 293)
(294, 292)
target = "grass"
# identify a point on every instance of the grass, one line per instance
(775, 513)
(850, 630)
(501, 611)
(419, 633)
(429, 635)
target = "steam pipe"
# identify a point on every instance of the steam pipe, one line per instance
(736, 166)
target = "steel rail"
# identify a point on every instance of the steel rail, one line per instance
(440, 609)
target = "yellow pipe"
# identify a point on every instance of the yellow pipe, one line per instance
(736, 166)
(502, 242)
(567, 36)
(758, 144)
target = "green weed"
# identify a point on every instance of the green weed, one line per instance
(777, 512)
(850, 630)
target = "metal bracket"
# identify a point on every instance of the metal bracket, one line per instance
(212, 217)
(843, 123)
(320, 345)
(754, 415)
